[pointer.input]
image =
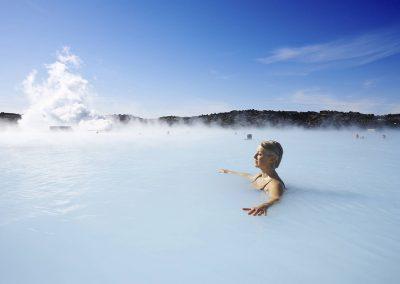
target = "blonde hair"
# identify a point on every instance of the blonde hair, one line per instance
(275, 148)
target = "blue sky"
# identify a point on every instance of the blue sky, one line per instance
(152, 58)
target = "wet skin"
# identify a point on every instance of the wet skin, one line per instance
(269, 180)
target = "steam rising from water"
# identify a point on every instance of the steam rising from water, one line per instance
(62, 98)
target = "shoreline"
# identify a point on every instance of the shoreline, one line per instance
(258, 119)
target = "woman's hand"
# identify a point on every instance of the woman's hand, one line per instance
(257, 211)
(224, 171)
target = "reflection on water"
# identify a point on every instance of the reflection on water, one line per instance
(128, 208)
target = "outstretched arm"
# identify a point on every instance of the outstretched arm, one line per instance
(275, 193)
(246, 175)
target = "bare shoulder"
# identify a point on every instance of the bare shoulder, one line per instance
(276, 187)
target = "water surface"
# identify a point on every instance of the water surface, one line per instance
(146, 207)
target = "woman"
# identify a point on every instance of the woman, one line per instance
(267, 159)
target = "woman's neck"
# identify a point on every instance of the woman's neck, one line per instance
(268, 172)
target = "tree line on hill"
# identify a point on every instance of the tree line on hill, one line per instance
(262, 118)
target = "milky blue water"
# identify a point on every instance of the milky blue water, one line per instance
(130, 207)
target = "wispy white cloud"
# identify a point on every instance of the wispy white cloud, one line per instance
(395, 108)
(219, 75)
(367, 84)
(289, 73)
(353, 51)
(190, 107)
(197, 106)
(36, 7)
(317, 99)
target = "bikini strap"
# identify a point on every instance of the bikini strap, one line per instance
(256, 177)
(263, 187)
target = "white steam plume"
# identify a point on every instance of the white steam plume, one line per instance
(62, 98)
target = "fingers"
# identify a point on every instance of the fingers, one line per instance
(251, 210)
(255, 211)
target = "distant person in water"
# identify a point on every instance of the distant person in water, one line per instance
(267, 159)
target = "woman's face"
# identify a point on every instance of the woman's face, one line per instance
(262, 159)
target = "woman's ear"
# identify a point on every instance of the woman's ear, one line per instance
(272, 160)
